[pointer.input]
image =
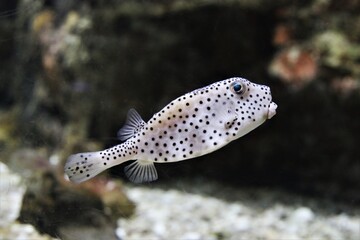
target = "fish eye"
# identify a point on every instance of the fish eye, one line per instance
(238, 88)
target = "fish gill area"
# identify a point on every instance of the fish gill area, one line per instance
(70, 71)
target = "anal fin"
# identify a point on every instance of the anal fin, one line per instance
(141, 171)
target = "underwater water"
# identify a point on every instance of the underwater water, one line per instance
(72, 70)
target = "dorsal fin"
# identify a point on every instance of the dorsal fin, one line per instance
(132, 125)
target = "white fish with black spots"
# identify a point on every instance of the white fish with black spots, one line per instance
(192, 125)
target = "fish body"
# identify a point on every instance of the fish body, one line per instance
(192, 125)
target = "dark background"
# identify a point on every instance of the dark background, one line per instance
(70, 70)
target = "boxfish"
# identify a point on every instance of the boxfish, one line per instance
(190, 126)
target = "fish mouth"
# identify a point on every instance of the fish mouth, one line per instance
(272, 110)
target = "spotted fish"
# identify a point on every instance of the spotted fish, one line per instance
(192, 125)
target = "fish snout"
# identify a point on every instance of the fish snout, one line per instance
(272, 110)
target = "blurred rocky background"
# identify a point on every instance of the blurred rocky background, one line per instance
(70, 70)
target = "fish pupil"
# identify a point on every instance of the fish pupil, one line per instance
(237, 87)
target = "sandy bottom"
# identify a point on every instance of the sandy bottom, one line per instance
(199, 209)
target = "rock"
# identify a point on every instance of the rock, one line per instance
(302, 215)
(12, 190)
(55, 206)
(75, 212)
(111, 192)
(17, 231)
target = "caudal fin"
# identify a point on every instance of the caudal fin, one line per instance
(83, 166)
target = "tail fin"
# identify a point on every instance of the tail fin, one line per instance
(83, 166)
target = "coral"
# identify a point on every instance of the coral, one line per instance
(337, 51)
(295, 66)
